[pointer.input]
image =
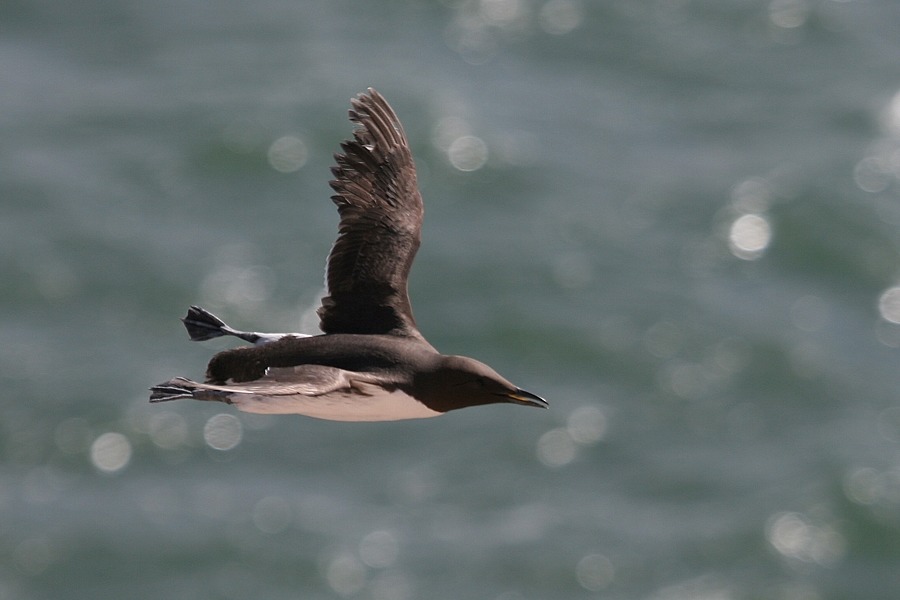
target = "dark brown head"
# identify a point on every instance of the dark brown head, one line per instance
(457, 382)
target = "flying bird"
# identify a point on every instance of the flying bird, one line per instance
(370, 363)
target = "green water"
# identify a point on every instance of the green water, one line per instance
(677, 221)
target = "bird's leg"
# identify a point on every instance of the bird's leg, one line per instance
(203, 325)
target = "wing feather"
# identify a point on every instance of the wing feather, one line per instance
(381, 213)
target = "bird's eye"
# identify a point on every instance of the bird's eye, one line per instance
(478, 383)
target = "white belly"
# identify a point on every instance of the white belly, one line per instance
(338, 406)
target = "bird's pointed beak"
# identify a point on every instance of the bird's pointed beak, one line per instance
(520, 396)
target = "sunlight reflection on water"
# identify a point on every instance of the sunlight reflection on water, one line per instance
(749, 236)
(223, 431)
(595, 572)
(287, 154)
(110, 452)
(620, 157)
(795, 536)
(585, 426)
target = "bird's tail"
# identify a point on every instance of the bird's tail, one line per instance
(173, 389)
(202, 325)
(180, 387)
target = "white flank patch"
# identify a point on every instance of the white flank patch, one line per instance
(375, 405)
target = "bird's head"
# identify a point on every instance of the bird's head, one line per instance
(459, 381)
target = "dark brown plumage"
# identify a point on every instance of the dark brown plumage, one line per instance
(381, 217)
(371, 363)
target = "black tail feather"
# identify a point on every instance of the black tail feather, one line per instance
(202, 325)
(178, 388)
(169, 391)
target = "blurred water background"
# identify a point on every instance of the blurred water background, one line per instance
(677, 220)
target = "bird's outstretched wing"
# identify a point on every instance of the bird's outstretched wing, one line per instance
(381, 215)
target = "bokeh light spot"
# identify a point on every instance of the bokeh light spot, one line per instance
(379, 549)
(788, 14)
(467, 153)
(864, 486)
(287, 154)
(685, 379)
(594, 572)
(168, 430)
(793, 536)
(872, 174)
(749, 236)
(558, 17)
(501, 12)
(586, 425)
(889, 305)
(556, 448)
(223, 431)
(110, 452)
(272, 514)
(346, 575)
